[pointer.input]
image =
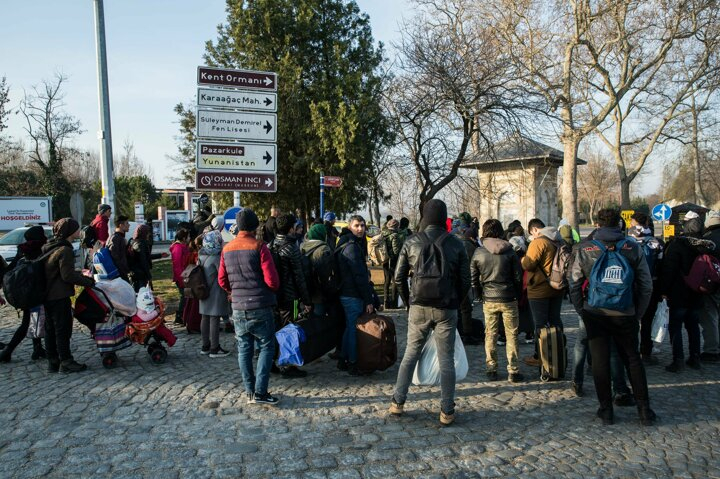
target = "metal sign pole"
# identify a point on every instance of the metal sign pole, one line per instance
(322, 195)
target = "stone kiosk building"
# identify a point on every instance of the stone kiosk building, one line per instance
(518, 182)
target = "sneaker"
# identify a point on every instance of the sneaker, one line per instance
(694, 363)
(606, 416)
(447, 419)
(501, 342)
(395, 408)
(529, 339)
(342, 364)
(709, 357)
(491, 375)
(266, 398)
(5, 356)
(292, 372)
(250, 398)
(577, 389)
(218, 353)
(335, 355)
(624, 400)
(532, 361)
(72, 366)
(516, 377)
(205, 350)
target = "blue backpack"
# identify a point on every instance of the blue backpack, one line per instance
(651, 255)
(611, 279)
(104, 264)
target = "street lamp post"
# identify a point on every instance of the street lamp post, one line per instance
(104, 134)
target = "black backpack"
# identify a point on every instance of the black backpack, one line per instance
(88, 236)
(431, 285)
(24, 286)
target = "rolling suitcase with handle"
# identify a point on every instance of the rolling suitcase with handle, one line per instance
(553, 353)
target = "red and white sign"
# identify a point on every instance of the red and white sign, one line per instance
(333, 181)
(234, 181)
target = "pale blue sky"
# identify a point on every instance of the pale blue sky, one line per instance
(153, 47)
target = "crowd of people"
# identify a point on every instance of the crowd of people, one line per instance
(274, 272)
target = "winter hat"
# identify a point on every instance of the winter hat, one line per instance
(65, 228)
(317, 232)
(212, 243)
(712, 219)
(103, 208)
(434, 213)
(404, 223)
(518, 244)
(693, 227)
(35, 233)
(203, 199)
(217, 223)
(691, 215)
(465, 218)
(329, 216)
(247, 220)
(145, 299)
(393, 224)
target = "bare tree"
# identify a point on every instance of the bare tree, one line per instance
(454, 84)
(4, 99)
(597, 183)
(655, 104)
(581, 49)
(404, 201)
(128, 164)
(49, 128)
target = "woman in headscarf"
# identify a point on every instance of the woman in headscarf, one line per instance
(35, 239)
(140, 257)
(216, 305)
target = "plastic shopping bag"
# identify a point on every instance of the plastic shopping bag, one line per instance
(427, 370)
(36, 329)
(659, 330)
(120, 293)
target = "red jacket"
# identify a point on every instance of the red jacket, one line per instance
(179, 254)
(100, 225)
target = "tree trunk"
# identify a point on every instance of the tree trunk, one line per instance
(569, 186)
(376, 208)
(625, 193)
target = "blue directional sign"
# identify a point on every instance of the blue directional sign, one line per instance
(230, 215)
(661, 212)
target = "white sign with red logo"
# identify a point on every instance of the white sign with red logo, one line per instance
(17, 211)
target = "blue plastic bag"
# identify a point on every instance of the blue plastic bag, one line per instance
(289, 339)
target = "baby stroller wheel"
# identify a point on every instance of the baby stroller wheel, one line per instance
(152, 347)
(544, 377)
(109, 360)
(158, 355)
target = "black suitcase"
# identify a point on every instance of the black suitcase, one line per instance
(553, 353)
(320, 337)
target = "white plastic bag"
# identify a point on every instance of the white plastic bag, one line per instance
(659, 330)
(427, 370)
(120, 294)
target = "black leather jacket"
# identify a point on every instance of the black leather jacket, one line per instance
(496, 272)
(292, 276)
(457, 262)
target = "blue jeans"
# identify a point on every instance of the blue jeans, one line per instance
(353, 309)
(691, 319)
(582, 353)
(421, 320)
(251, 327)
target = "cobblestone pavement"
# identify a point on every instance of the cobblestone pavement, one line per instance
(188, 418)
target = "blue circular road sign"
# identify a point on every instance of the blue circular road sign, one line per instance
(661, 212)
(230, 215)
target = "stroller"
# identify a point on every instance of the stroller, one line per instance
(114, 329)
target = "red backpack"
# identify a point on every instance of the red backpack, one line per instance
(704, 275)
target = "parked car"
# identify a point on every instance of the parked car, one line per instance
(10, 241)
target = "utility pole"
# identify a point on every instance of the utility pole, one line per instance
(104, 134)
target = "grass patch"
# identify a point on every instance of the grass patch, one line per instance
(163, 286)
